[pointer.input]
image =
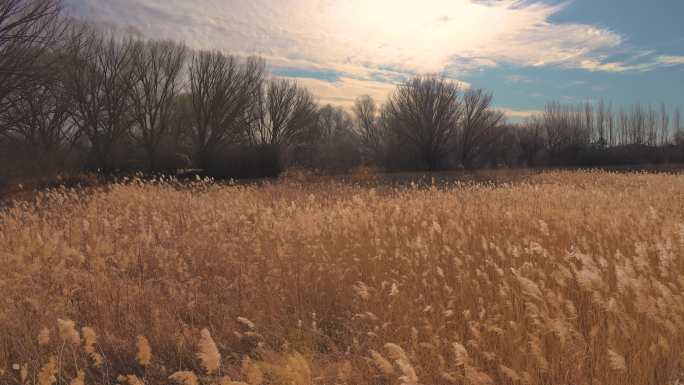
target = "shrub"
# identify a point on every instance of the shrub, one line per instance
(245, 162)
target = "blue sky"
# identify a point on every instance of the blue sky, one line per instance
(526, 51)
(656, 25)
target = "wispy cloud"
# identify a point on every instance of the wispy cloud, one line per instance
(396, 35)
(518, 79)
(345, 90)
(646, 64)
(379, 41)
(518, 114)
(671, 60)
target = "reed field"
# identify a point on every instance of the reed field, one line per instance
(559, 277)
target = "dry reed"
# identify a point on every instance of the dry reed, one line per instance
(564, 278)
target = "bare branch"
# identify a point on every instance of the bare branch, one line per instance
(157, 70)
(221, 90)
(424, 115)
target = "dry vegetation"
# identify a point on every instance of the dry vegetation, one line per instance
(565, 278)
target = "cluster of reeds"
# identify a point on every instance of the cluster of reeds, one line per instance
(565, 278)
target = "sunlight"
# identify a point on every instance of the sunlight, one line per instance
(361, 38)
(425, 34)
(348, 192)
(436, 34)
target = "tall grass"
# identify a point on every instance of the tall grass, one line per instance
(566, 278)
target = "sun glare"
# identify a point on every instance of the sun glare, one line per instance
(425, 35)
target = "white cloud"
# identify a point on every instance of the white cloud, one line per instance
(345, 90)
(399, 35)
(519, 79)
(517, 114)
(649, 64)
(374, 40)
(671, 60)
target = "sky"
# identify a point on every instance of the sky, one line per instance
(527, 52)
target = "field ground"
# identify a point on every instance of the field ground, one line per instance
(554, 277)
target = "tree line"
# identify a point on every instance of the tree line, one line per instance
(588, 134)
(73, 97)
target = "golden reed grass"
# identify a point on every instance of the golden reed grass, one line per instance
(564, 278)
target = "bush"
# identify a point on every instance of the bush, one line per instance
(21, 160)
(170, 162)
(244, 162)
(123, 157)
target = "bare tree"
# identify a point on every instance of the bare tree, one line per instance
(625, 133)
(568, 127)
(664, 125)
(678, 129)
(335, 145)
(221, 91)
(588, 126)
(283, 114)
(29, 31)
(100, 81)
(38, 123)
(424, 115)
(610, 119)
(157, 69)
(531, 139)
(555, 126)
(652, 126)
(637, 125)
(479, 126)
(333, 122)
(369, 128)
(601, 118)
(565, 126)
